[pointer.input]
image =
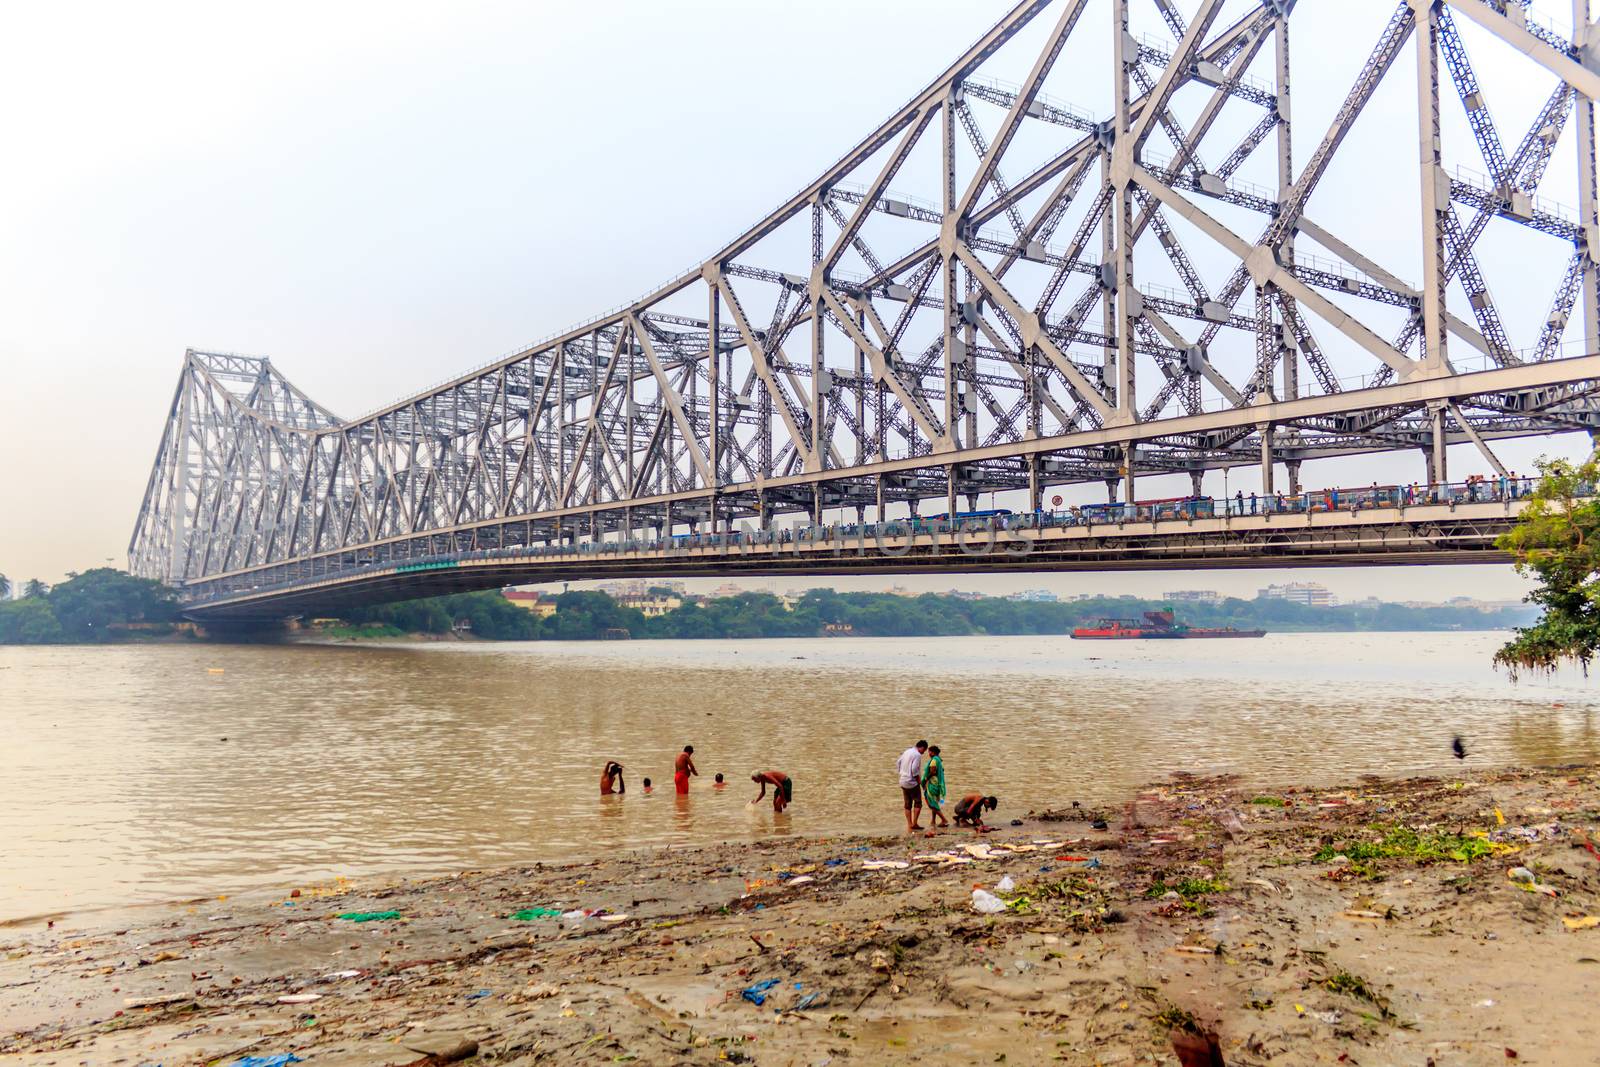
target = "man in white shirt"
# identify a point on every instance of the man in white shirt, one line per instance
(909, 767)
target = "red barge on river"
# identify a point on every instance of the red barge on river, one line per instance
(1157, 625)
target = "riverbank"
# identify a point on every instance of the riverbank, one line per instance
(1374, 922)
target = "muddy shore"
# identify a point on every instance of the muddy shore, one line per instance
(1442, 920)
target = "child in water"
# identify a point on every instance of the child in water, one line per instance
(647, 787)
(719, 783)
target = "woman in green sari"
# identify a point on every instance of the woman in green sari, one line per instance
(933, 787)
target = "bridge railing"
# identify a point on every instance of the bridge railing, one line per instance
(1477, 490)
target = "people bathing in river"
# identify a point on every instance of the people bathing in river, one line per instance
(612, 776)
(684, 768)
(782, 788)
(718, 783)
(933, 788)
(970, 809)
(647, 787)
(909, 769)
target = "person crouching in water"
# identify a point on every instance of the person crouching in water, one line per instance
(970, 809)
(782, 788)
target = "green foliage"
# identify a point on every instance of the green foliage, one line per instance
(1350, 985)
(588, 615)
(1187, 888)
(491, 616)
(1402, 842)
(1555, 541)
(1268, 802)
(89, 605)
(28, 622)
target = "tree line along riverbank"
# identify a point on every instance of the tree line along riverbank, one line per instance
(593, 615)
(108, 606)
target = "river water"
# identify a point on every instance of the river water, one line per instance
(144, 773)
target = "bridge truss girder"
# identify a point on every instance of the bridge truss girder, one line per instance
(1009, 343)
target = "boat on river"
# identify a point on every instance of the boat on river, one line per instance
(1156, 625)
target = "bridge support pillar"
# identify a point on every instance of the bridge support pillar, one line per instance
(1293, 467)
(1129, 494)
(763, 511)
(1035, 490)
(1266, 459)
(816, 504)
(1438, 467)
(1196, 478)
(950, 493)
(880, 497)
(1111, 490)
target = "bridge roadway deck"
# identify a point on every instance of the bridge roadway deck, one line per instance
(1392, 536)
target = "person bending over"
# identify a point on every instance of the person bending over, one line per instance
(970, 809)
(611, 780)
(782, 788)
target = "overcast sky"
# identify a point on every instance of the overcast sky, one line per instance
(380, 196)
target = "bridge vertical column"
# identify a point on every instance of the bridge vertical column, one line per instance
(1293, 467)
(1438, 470)
(1583, 35)
(561, 429)
(950, 492)
(819, 334)
(1035, 490)
(1288, 351)
(1125, 151)
(714, 401)
(949, 206)
(861, 391)
(1266, 458)
(1434, 183)
(1128, 455)
(178, 506)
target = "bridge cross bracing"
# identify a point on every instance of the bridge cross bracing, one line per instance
(996, 291)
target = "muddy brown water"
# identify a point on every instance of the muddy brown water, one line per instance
(147, 773)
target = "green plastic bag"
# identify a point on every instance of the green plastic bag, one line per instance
(369, 916)
(530, 914)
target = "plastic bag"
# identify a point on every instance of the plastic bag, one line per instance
(986, 903)
(1006, 885)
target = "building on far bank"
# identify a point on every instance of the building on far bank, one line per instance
(1311, 594)
(1193, 596)
(541, 604)
(726, 589)
(1035, 596)
(652, 604)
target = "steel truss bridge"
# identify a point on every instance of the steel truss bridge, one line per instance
(995, 291)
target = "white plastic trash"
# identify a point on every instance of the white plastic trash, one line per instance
(1006, 885)
(986, 903)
